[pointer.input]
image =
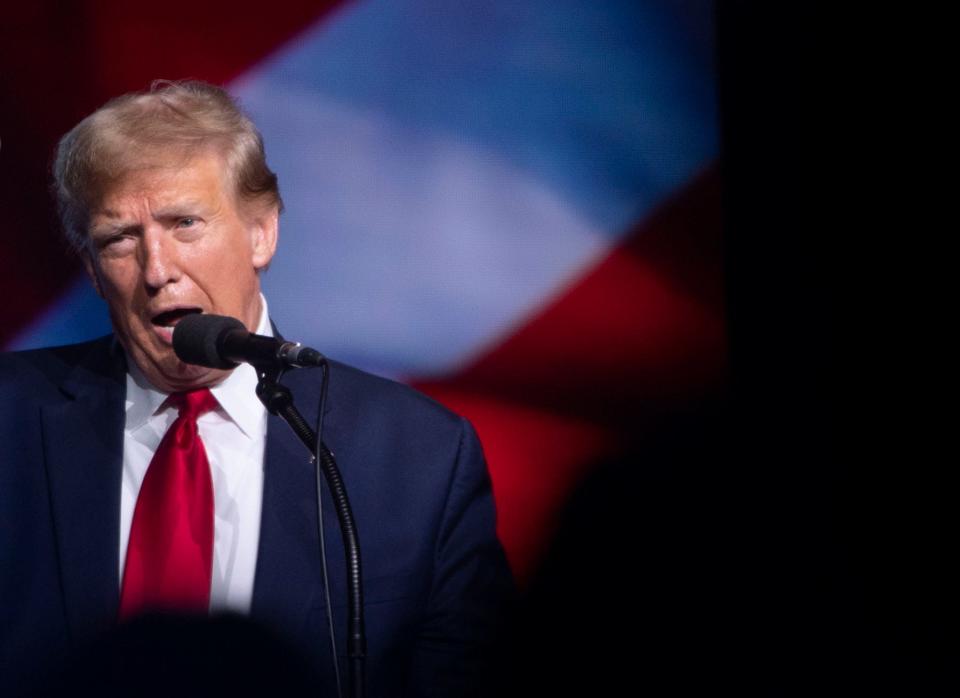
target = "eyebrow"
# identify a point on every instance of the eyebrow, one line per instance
(179, 209)
(176, 210)
(108, 229)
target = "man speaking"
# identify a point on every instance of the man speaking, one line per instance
(134, 482)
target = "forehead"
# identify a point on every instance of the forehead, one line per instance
(199, 179)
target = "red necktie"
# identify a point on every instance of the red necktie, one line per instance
(170, 554)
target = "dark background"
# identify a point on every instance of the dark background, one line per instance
(808, 509)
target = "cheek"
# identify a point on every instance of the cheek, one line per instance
(118, 283)
(230, 264)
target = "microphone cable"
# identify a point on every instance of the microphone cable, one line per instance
(356, 633)
(325, 368)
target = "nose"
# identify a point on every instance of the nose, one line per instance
(159, 261)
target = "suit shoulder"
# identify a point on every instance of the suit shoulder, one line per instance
(376, 394)
(47, 367)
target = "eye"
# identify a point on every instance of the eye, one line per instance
(186, 222)
(112, 240)
(115, 245)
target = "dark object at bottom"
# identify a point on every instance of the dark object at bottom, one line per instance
(164, 655)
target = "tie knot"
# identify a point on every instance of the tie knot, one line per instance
(193, 403)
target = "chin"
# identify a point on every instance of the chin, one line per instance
(175, 376)
(189, 376)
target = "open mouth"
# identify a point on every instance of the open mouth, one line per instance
(170, 318)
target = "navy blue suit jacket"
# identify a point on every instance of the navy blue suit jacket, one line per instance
(434, 573)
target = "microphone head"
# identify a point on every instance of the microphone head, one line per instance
(196, 339)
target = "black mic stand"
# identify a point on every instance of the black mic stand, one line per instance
(279, 401)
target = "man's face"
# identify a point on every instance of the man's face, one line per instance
(169, 241)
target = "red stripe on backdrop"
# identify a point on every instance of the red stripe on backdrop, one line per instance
(536, 459)
(60, 61)
(642, 333)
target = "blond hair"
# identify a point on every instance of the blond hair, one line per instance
(169, 123)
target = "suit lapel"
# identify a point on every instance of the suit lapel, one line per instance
(83, 450)
(287, 590)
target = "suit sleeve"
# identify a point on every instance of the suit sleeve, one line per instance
(471, 588)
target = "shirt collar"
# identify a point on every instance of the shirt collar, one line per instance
(234, 394)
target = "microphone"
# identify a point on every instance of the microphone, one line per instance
(217, 341)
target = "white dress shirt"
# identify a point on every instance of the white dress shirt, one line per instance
(234, 436)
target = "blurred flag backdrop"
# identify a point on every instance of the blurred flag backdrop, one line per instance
(512, 206)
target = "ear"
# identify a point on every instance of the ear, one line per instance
(92, 271)
(265, 230)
